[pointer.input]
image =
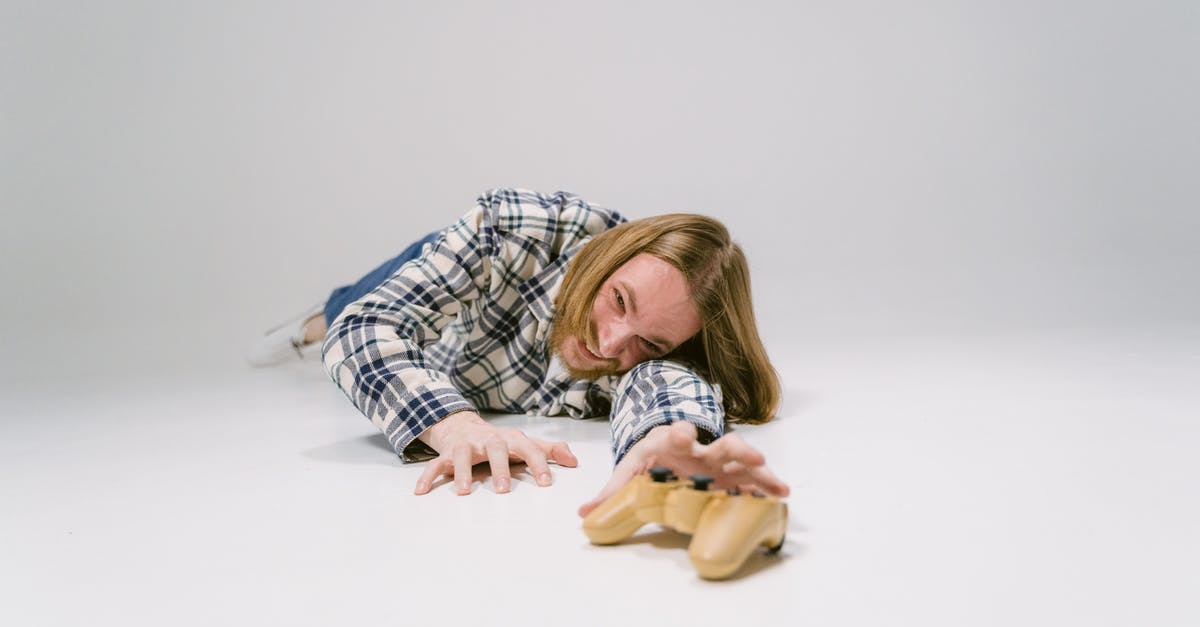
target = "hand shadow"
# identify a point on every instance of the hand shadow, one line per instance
(481, 471)
(358, 450)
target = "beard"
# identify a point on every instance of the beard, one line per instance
(561, 333)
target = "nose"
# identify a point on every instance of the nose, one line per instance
(612, 338)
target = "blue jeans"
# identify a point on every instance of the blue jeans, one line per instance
(347, 294)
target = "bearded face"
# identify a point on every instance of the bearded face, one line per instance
(642, 311)
(570, 345)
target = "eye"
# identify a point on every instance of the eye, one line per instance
(650, 347)
(620, 301)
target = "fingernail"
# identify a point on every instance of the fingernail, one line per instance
(502, 486)
(544, 479)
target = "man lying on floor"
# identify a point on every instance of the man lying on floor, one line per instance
(546, 304)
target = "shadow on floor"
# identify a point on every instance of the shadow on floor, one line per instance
(369, 449)
(671, 545)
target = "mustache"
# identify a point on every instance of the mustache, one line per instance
(592, 338)
(563, 331)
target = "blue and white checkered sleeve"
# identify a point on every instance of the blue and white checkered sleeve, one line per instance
(661, 392)
(373, 350)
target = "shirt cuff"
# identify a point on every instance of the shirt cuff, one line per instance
(424, 408)
(658, 392)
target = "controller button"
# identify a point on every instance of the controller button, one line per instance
(701, 482)
(759, 495)
(661, 474)
(733, 492)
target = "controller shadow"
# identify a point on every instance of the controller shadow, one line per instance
(677, 544)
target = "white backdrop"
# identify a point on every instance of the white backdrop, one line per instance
(176, 177)
(974, 236)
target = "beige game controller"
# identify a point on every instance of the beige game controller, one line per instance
(726, 527)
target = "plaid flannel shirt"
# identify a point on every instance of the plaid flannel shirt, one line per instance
(465, 326)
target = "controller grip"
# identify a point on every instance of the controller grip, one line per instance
(731, 529)
(616, 518)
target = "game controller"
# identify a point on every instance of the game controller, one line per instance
(726, 526)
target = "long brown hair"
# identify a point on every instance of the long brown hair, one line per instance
(727, 350)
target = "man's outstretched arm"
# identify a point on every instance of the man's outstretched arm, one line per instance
(664, 414)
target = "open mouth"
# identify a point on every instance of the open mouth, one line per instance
(589, 353)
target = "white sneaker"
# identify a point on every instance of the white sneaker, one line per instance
(285, 342)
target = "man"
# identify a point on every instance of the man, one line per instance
(547, 304)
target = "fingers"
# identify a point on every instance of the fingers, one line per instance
(740, 463)
(681, 437)
(435, 469)
(497, 453)
(499, 448)
(557, 452)
(621, 475)
(767, 480)
(561, 453)
(729, 449)
(754, 478)
(535, 459)
(732, 448)
(462, 469)
(587, 508)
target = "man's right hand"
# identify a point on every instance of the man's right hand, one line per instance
(463, 439)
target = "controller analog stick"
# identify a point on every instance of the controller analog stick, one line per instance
(661, 474)
(701, 482)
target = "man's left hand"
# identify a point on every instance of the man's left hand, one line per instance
(728, 460)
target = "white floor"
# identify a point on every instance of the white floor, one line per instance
(1046, 479)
